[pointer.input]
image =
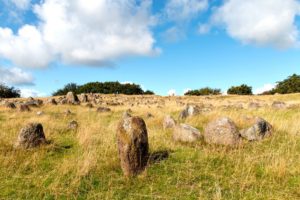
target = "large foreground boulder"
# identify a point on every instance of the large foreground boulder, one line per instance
(132, 138)
(222, 131)
(186, 133)
(258, 131)
(31, 136)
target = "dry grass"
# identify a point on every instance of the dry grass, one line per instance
(84, 164)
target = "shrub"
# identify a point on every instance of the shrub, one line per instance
(240, 90)
(203, 91)
(9, 92)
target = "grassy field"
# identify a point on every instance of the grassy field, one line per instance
(84, 164)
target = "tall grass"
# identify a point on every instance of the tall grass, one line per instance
(83, 163)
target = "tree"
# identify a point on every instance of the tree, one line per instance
(240, 90)
(149, 92)
(70, 87)
(203, 91)
(102, 88)
(288, 85)
(9, 92)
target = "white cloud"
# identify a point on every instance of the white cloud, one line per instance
(26, 49)
(172, 92)
(266, 87)
(260, 22)
(174, 34)
(88, 32)
(25, 93)
(204, 28)
(15, 76)
(181, 10)
(21, 4)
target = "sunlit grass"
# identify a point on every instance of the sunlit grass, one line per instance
(83, 163)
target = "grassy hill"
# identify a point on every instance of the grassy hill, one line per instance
(84, 164)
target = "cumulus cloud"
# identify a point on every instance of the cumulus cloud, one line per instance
(15, 76)
(172, 92)
(81, 32)
(26, 49)
(265, 88)
(181, 10)
(25, 93)
(267, 22)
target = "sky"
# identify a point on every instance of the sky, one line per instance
(167, 46)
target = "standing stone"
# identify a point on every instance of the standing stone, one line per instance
(186, 133)
(258, 131)
(72, 98)
(24, 108)
(51, 101)
(190, 110)
(31, 135)
(83, 98)
(278, 105)
(10, 105)
(169, 122)
(222, 131)
(132, 138)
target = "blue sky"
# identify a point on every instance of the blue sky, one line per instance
(161, 45)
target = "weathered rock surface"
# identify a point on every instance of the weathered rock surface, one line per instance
(169, 122)
(222, 131)
(31, 136)
(258, 131)
(132, 138)
(72, 98)
(186, 133)
(190, 110)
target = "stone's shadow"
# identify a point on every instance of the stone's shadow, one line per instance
(158, 156)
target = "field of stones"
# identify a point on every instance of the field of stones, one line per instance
(94, 146)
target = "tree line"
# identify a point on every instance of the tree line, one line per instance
(103, 88)
(289, 85)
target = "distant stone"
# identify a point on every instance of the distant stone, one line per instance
(89, 105)
(126, 114)
(39, 113)
(73, 125)
(190, 110)
(72, 98)
(51, 101)
(279, 105)
(149, 115)
(169, 122)
(222, 131)
(132, 138)
(31, 136)
(67, 112)
(186, 133)
(103, 109)
(254, 105)
(83, 98)
(24, 108)
(258, 131)
(10, 105)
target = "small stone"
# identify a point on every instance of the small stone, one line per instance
(103, 109)
(186, 133)
(169, 122)
(73, 125)
(279, 105)
(24, 108)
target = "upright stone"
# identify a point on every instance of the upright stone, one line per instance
(72, 98)
(31, 136)
(132, 138)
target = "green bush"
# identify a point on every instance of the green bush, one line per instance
(289, 85)
(240, 90)
(103, 88)
(203, 91)
(9, 92)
